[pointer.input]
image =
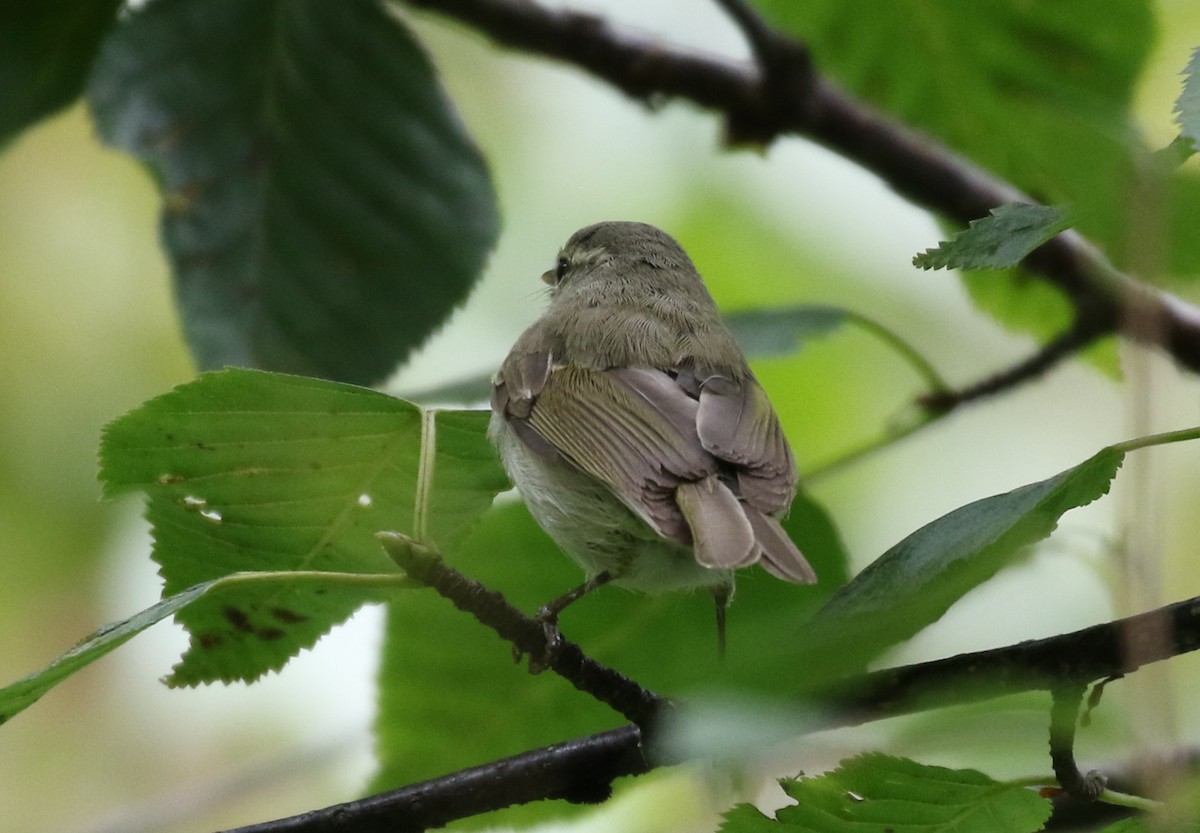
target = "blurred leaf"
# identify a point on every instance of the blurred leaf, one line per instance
(875, 793)
(778, 331)
(450, 685)
(25, 692)
(912, 584)
(1187, 107)
(46, 50)
(1130, 825)
(247, 470)
(1001, 239)
(324, 209)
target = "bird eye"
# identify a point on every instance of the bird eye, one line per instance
(555, 276)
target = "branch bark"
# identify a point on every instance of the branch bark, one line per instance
(913, 164)
(583, 769)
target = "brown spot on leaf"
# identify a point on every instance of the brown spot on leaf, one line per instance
(271, 634)
(237, 618)
(290, 617)
(210, 641)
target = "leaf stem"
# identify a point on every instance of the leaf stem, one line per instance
(1165, 438)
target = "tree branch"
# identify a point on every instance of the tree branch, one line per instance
(526, 635)
(583, 769)
(580, 770)
(913, 164)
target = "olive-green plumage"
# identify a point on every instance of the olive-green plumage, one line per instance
(630, 422)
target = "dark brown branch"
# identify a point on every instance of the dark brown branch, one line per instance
(916, 166)
(579, 771)
(527, 636)
(786, 68)
(584, 768)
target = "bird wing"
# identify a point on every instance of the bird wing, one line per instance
(637, 445)
(639, 432)
(736, 423)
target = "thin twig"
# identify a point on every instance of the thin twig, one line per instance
(1084, 332)
(1064, 712)
(527, 635)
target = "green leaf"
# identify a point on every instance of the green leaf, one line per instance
(1187, 107)
(324, 209)
(46, 50)
(876, 793)
(999, 240)
(25, 692)
(1037, 93)
(912, 584)
(247, 470)
(434, 688)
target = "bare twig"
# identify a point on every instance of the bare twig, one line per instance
(1082, 333)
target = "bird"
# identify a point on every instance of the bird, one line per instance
(636, 433)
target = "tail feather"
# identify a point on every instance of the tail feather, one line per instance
(780, 556)
(722, 535)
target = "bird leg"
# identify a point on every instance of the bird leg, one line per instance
(722, 594)
(548, 614)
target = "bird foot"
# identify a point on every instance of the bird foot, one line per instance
(552, 641)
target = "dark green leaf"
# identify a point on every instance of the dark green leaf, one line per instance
(999, 240)
(912, 584)
(248, 470)
(324, 209)
(46, 50)
(1187, 107)
(876, 793)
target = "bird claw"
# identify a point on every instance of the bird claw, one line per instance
(552, 642)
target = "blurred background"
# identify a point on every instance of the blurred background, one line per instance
(88, 330)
